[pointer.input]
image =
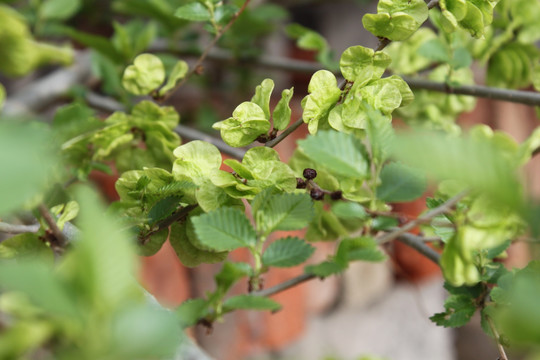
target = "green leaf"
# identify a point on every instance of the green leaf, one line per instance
(189, 254)
(340, 153)
(282, 112)
(25, 245)
(358, 249)
(153, 243)
(177, 73)
(144, 76)
(67, 213)
(325, 269)
(380, 135)
(3, 96)
(477, 163)
(247, 124)
(400, 183)
(287, 252)
(435, 50)
(163, 209)
(459, 311)
(144, 332)
(39, 283)
(191, 311)
(283, 212)
(196, 160)
(224, 229)
(59, 9)
(28, 161)
(250, 302)
(349, 210)
(396, 19)
(193, 11)
(263, 92)
(230, 273)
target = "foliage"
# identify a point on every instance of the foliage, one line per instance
(69, 287)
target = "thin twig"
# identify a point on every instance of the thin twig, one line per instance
(284, 285)
(203, 56)
(285, 133)
(497, 337)
(418, 243)
(422, 219)
(18, 229)
(180, 215)
(60, 237)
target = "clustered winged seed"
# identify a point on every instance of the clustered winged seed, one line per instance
(317, 194)
(300, 183)
(310, 174)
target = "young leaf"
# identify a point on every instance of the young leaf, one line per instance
(400, 183)
(194, 11)
(224, 229)
(67, 212)
(459, 310)
(340, 153)
(284, 212)
(263, 92)
(144, 76)
(177, 73)
(250, 302)
(282, 112)
(287, 252)
(25, 245)
(163, 208)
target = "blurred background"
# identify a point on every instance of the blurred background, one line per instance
(373, 311)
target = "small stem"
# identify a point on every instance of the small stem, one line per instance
(285, 133)
(60, 238)
(206, 51)
(502, 353)
(284, 285)
(180, 215)
(18, 229)
(422, 219)
(417, 243)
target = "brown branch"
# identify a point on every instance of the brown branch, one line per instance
(59, 236)
(497, 337)
(418, 243)
(422, 219)
(18, 229)
(285, 133)
(206, 51)
(284, 285)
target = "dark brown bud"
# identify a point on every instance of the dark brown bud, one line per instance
(300, 183)
(310, 174)
(336, 195)
(317, 194)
